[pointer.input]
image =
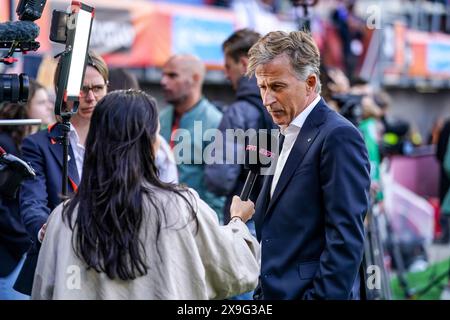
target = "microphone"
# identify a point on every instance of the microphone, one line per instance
(21, 31)
(258, 155)
(12, 172)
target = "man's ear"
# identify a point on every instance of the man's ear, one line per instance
(311, 82)
(196, 77)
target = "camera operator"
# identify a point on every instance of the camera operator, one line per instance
(14, 240)
(371, 128)
(40, 196)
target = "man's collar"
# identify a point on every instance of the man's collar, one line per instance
(301, 118)
(191, 110)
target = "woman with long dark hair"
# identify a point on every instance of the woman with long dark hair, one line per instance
(127, 235)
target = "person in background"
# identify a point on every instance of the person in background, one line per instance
(39, 106)
(351, 30)
(246, 112)
(14, 240)
(122, 79)
(360, 105)
(371, 114)
(39, 196)
(132, 236)
(182, 82)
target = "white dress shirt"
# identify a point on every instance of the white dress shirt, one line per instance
(77, 148)
(291, 133)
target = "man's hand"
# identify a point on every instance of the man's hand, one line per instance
(41, 233)
(242, 209)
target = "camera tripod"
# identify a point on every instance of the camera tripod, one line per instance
(64, 140)
(374, 254)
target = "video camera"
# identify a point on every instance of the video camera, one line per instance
(19, 36)
(72, 28)
(350, 106)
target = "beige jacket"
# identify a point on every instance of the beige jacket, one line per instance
(213, 263)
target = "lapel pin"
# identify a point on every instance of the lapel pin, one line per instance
(309, 139)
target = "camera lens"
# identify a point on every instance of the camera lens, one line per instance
(14, 87)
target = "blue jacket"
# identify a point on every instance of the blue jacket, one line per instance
(38, 197)
(247, 112)
(207, 117)
(311, 230)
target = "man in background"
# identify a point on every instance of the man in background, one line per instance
(246, 112)
(182, 82)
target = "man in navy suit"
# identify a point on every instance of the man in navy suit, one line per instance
(39, 196)
(309, 214)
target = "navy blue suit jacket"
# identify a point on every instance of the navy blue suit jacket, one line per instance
(39, 196)
(311, 230)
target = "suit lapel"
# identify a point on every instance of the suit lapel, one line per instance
(305, 139)
(56, 149)
(261, 204)
(72, 170)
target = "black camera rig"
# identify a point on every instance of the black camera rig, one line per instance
(19, 36)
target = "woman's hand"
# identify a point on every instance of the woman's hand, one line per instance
(242, 209)
(42, 233)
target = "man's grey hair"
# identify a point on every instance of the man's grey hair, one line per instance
(300, 48)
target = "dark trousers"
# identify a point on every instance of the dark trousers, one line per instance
(24, 282)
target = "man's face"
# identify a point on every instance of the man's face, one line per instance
(177, 82)
(94, 88)
(283, 94)
(234, 70)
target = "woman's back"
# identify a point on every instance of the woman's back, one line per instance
(187, 261)
(125, 234)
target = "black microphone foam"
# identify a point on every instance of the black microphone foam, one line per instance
(21, 31)
(258, 155)
(258, 151)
